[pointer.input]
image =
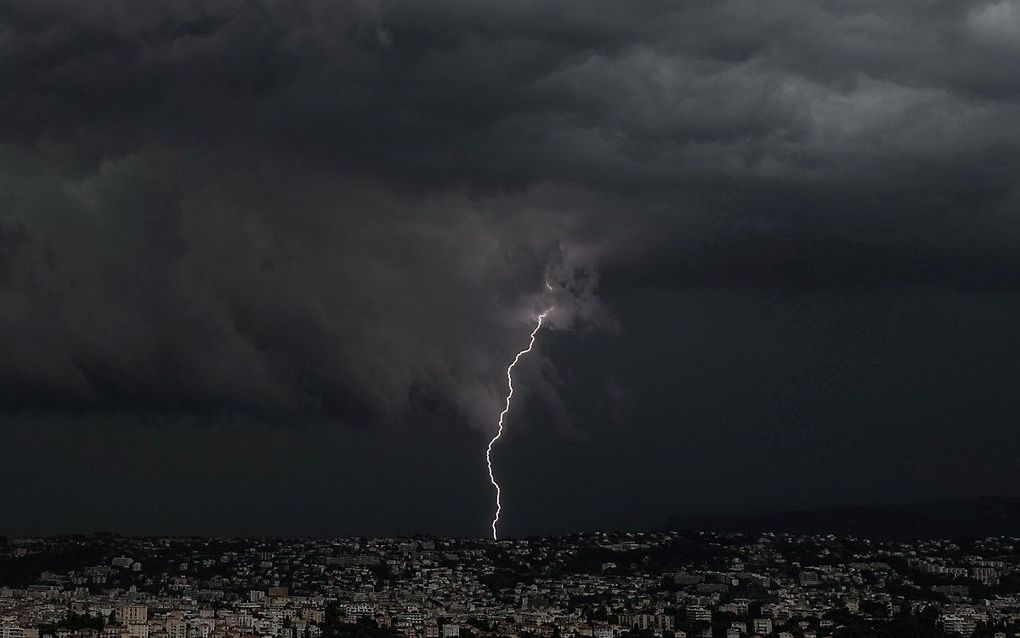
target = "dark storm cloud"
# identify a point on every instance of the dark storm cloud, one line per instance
(348, 210)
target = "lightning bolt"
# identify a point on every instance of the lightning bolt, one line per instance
(502, 415)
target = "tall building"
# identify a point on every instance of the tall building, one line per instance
(451, 631)
(954, 624)
(763, 625)
(176, 627)
(133, 614)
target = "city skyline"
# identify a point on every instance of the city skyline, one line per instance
(601, 585)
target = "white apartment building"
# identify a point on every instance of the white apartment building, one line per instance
(763, 625)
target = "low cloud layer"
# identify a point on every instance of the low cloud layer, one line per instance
(301, 209)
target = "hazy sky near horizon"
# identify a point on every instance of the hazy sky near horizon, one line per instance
(263, 262)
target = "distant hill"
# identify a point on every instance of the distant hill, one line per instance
(990, 516)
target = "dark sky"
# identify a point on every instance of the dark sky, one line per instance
(263, 262)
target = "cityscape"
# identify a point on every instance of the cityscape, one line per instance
(603, 585)
(509, 318)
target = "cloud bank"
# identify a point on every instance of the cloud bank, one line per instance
(302, 209)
